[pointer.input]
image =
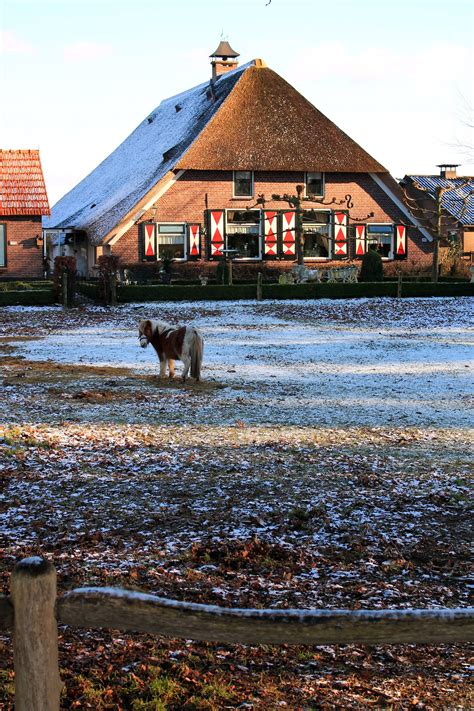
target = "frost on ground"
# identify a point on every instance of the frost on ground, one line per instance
(322, 462)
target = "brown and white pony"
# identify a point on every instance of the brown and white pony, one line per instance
(170, 343)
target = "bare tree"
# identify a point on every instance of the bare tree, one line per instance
(429, 210)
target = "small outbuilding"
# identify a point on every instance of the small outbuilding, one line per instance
(23, 204)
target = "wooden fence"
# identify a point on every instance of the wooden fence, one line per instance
(33, 612)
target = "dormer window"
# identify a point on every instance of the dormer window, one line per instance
(314, 185)
(243, 183)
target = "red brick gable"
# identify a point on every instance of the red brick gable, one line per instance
(22, 186)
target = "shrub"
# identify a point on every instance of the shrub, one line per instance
(62, 266)
(108, 270)
(372, 267)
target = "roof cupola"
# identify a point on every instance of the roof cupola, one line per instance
(223, 60)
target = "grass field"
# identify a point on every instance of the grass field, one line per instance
(324, 461)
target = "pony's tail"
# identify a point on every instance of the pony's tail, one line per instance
(197, 348)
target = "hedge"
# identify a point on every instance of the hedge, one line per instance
(219, 292)
(211, 292)
(33, 297)
(88, 289)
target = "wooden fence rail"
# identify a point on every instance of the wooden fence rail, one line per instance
(33, 612)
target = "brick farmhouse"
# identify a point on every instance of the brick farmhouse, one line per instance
(205, 175)
(23, 202)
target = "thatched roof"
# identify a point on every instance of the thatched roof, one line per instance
(265, 124)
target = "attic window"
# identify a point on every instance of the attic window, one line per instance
(243, 183)
(178, 108)
(314, 183)
(170, 153)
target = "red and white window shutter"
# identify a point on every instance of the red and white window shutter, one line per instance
(149, 240)
(400, 241)
(194, 241)
(216, 232)
(288, 234)
(359, 240)
(270, 221)
(340, 235)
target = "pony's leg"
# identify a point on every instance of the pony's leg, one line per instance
(171, 368)
(187, 363)
(163, 362)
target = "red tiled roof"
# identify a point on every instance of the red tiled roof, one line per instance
(22, 187)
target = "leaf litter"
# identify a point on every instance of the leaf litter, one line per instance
(324, 461)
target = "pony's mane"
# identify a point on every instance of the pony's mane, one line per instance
(160, 326)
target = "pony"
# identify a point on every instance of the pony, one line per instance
(170, 343)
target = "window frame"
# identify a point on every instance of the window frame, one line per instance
(252, 179)
(260, 233)
(323, 183)
(185, 239)
(3, 237)
(329, 237)
(391, 254)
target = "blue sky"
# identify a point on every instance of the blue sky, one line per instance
(77, 76)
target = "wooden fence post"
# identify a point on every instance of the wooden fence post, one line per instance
(113, 290)
(35, 636)
(399, 286)
(64, 285)
(259, 286)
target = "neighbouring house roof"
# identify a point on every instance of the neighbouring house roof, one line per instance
(249, 119)
(457, 202)
(22, 186)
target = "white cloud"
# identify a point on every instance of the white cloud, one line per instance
(86, 51)
(13, 43)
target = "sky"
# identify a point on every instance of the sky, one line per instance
(78, 76)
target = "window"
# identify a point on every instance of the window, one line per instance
(243, 233)
(170, 241)
(3, 246)
(380, 239)
(243, 183)
(316, 229)
(314, 185)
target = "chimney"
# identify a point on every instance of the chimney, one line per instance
(448, 170)
(224, 59)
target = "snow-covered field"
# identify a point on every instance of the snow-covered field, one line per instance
(363, 362)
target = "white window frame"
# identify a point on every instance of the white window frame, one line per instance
(392, 245)
(185, 236)
(260, 233)
(243, 197)
(330, 239)
(323, 182)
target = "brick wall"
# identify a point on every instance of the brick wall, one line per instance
(196, 191)
(24, 257)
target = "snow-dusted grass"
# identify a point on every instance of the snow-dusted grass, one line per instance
(323, 462)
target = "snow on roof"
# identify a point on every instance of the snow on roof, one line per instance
(110, 191)
(22, 186)
(458, 201)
